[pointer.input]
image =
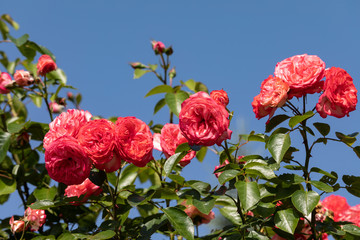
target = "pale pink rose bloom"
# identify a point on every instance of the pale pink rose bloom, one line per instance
(5, 80)
(16, 225)
(87, 187)
(35, 217)
(303, 74)
(66, 124)
(196, 216)
(156, 141)
(55, 107)
(23, 78)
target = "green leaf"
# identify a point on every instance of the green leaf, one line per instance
(191, 84)
(19, 41)
(36, 99)
(15, 125)
(138, 73)
(357, 151)
(228, 175)
(352, 229)
(19, 107)
(231, 213)
(304, 201)
(275, 121)
(135, 199)
(249, 194)
(177, 178)
(349, 140)
(318, 170)
(174, 101)
(58, 74)
(201, 187)
(201, 87)
(264, 170)
(205, 205)
(159, 105)
(153, 66)
(200, 155)
(10, 21)
(45, 193)
(128, 176)
(278, 144)
(184, 147)
(180, 221)
(42, 204)
(7, 186)
(103, 235)
(323, 128)
(172, 161)
(286, 220)
(299, 118)
(5, 138)
(66, 236)
(160, 89)
(253, 235)
(354, 189)
(322, 186)
(150, 227)
(265, 209)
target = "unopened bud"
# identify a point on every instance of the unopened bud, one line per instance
(55, 107)
(172, 73)
(70, 95)
(158, 47)
(169, 51)
(23, 139)
(138, 65)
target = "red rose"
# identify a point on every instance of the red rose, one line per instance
(337, 204)
(303, 74)
(134, 141)
(273, 94)
(171, 137)
(66, 161)
(66, 124)
(23, 78)
(340, 95)
(98, 139)
(35, 217)
(5, 80)
(203, 121)
(196, 216)
(87, 187)
(220, 96)
(45, 65)
(158, 46)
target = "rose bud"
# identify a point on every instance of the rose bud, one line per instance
(220, 96)
(17, 225)
(158, 47)
(23, 78)
(55, 107)
(70, 95)
(138, 65)
(169, 51)
(45, 65)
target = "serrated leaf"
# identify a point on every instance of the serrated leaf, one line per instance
(286, 220)
(180, 221)
(264, 170)
(323, 128)
(5, 138)
(160, 89)
(277, 145)
(322, 186)
(159, 105)
(249, 194)
(174, 101)
(45, 193)
(138, 73)
(304, 201)
(299, 118)
(275, 121)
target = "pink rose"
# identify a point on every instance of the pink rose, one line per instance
(196, 216)
(45, 65)
(134, 141)
(340, 95)
(16, 225)
(66, 124)
(203, 121)
(23, 78)
(98, 139)
(156, 141)
(35, 217)
(86, 188)
(5, 81)
(55, 107)
(338, 205)
(171, 137)
(158, 46)
(273, 94)
(66, 161)
(220, 96)
(302, 73)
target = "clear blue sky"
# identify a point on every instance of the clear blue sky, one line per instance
(232, 45)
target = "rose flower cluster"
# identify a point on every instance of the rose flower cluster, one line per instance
(33, 218)
(300, 75)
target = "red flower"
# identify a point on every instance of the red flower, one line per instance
(340, 95)
(45, 65)
(35, 217)
(303, 74)
(220, 96)
(66, 161)
(203, 121)
(5, 81)
(23, 78)
(171, 137)
(196, 216)
(134, 140)
(98, 139)
(338, 205)
(66, 124)
(87, 187)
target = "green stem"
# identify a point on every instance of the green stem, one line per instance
(10, 101)
(46, 100)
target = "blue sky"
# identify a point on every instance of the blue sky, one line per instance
(232, 45)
